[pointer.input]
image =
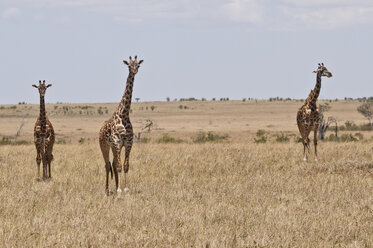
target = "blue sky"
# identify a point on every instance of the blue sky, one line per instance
(191, 48)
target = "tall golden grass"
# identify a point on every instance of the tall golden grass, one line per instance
(191, 195)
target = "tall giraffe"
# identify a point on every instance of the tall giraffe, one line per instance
(117, 131)
(43, 135)
(308, 115)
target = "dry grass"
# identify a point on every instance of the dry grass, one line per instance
(229, 194)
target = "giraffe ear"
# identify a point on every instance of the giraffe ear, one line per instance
(49, 85)
(34, 86)
(125, 62)
(141, 61)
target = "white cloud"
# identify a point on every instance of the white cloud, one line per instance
(11, 13)
(335, 3)
(249, 11)
(328, 15)
(267, 14)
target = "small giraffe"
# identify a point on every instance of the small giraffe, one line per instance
(117, 131)
(308, 116)
(43, 135)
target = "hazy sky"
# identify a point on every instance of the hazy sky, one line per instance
(191, 48)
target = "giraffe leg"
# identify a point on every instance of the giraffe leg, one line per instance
(315, 140)
(49, 156)
(44, 160)
(116, 167)
(105, 149)
(304, 150)
(38, 161)
(126, 165)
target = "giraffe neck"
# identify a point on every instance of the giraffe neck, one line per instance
(316, 90)
(125, 104)
(42, 115)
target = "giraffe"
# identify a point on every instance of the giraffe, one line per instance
(308, 116)
(117, 131)
(43, 135)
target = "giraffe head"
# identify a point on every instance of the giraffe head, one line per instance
(324, 72)
(42, 87)
(133, 65)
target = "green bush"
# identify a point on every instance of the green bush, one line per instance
(262, 139)
(169, 139)
(282, 138)
(351, 126)
(203, 137)
(5, 141)
(260, 133)
(344, 138)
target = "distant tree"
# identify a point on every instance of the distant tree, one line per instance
(152, 107)
(325, 122)
(366, 109)
(137, 99)
(167, 99)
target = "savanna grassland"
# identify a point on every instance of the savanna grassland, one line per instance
(217, 174)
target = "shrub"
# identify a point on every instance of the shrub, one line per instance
(260, 133)
(348, 138)
(351, 126)
(5, 141)
(332, 137)
(209, 137)
(282, 138)
(169, 139)
(262, 139)
(344, 138)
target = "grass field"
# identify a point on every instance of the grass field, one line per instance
(232, 193)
